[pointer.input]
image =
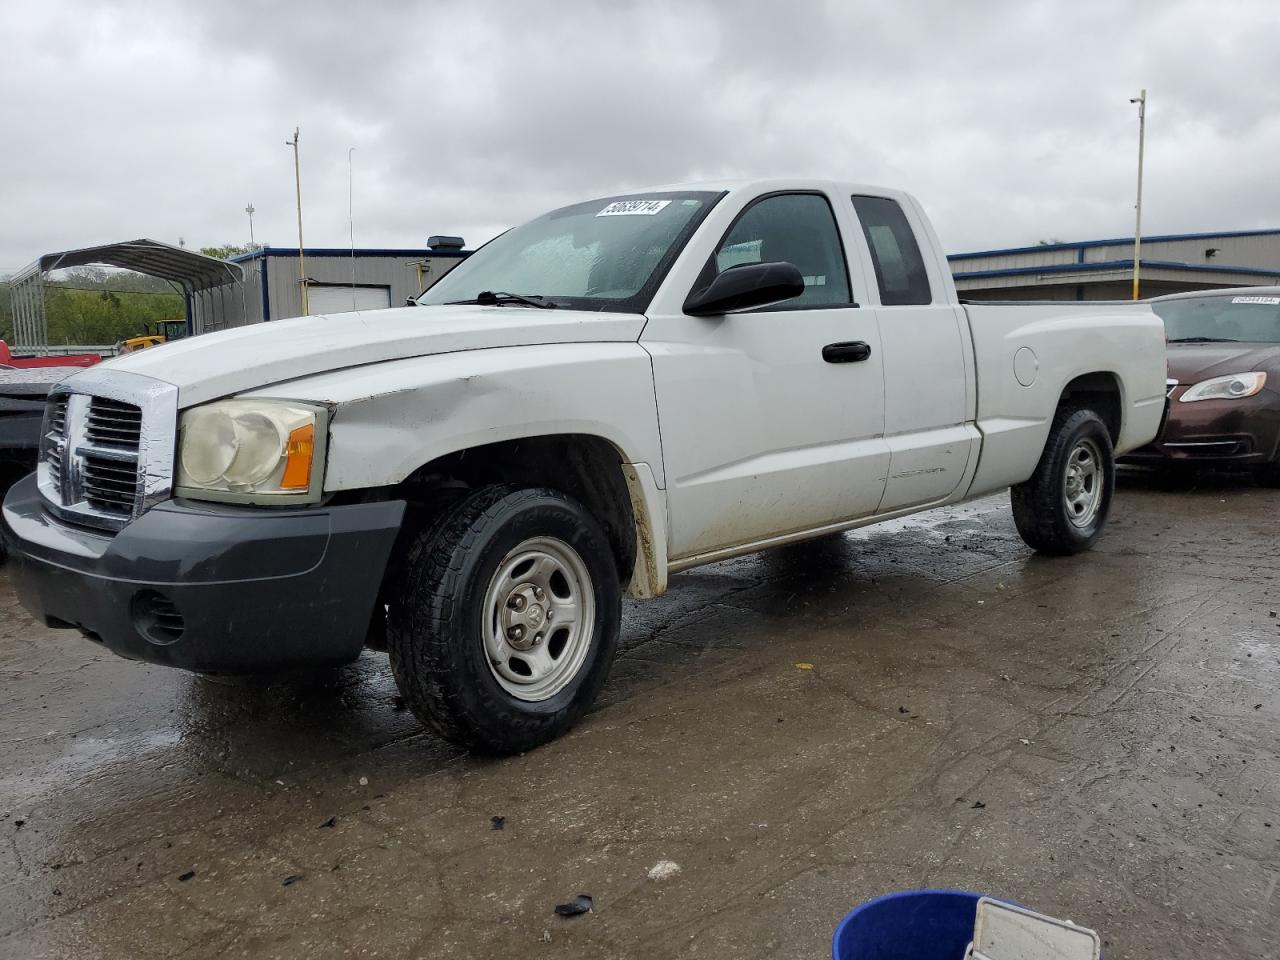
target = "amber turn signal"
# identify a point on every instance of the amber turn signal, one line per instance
(298, 454)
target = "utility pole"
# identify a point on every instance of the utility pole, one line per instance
(1141, 101)
(351, 221)
(249, 210)
(302, 259)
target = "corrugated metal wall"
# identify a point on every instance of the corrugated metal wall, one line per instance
(232, 305)
(1012, 261)
(236, 307)
(400, 274)
(1259, 251)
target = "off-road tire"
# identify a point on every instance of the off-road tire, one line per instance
(434, 627)
(1040, 509)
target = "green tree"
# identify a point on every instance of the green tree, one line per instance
(227, 250)
(95, 305)
(84, 316)
(6, 311)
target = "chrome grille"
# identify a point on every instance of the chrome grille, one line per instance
(54, 459)
(106, 453)
(57, 414)
(113, 423)
(110, 485)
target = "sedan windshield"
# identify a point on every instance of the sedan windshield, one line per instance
(608, 254)
(1247, 319)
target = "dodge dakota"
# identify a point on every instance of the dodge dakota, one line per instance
(616, 391)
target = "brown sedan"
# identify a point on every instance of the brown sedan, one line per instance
(1224, 381)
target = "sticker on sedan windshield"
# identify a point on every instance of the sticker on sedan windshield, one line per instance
(1274, 301)
(633, 208)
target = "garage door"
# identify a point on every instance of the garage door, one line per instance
(335, 299)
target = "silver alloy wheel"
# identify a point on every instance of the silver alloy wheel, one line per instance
(1084, 482)
(539, 618)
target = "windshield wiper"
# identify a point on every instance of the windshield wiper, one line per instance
(490, 298)
(1204, 340)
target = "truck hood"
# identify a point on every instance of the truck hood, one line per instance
(221, 364)
(1193, 362)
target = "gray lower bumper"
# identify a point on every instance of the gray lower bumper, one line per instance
(208, 587)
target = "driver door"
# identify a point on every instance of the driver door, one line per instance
(761, 436)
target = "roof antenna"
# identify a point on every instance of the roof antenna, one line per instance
(351, 221)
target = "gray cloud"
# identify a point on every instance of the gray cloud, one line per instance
(1008, 119)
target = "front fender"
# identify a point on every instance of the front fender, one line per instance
(390, 418)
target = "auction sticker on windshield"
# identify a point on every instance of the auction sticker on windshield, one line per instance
(1274, 301)
(633, 208)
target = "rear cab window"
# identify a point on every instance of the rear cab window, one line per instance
(900, 270)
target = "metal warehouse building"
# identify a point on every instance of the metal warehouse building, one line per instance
(1103, 269)
(272, 289)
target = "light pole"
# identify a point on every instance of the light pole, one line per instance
(249, 210)
(351, 221)
(302, 259)
(1141, 101)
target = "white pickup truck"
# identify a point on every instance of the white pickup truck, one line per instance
(616, 391)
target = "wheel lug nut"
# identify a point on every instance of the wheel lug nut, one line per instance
(537, 638)
(516, 603)
(537, 592)
(516, 632)
(550, 614)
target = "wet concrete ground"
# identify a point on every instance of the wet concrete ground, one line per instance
(1095, 737)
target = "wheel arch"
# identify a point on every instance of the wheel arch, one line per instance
(619, 493)
(1101, 391)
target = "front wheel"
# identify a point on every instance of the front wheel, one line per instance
(506, 619)
(1063, 507)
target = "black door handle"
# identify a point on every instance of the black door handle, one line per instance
(854, 351)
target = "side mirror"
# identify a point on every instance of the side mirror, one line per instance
(746, 286)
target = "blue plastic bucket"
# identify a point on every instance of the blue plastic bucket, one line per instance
(915, 925)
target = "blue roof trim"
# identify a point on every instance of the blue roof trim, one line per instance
(346, 252)
(1110, 265)
(1116, 242)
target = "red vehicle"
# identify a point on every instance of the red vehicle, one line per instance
(1224, 382)
(7, 359)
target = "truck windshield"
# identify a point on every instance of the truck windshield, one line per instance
(607, 254)
(1248, 319)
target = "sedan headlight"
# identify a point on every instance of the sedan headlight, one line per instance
(1234, 387)
(252, 451)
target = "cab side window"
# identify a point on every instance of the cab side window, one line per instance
(798, 228)
(895, 254)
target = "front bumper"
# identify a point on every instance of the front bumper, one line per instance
(1222, 433)
(208, 587)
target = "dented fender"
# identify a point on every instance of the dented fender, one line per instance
(389, 419)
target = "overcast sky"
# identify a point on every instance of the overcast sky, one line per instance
(1010, 121)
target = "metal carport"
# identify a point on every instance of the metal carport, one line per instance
(194, 273)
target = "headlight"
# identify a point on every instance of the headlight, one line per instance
(1226, 388)
(252, 451)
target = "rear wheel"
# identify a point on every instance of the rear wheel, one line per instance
(506, 619)
(1063, 507)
